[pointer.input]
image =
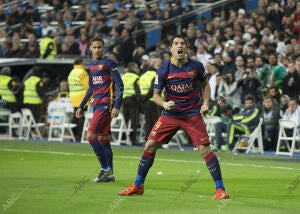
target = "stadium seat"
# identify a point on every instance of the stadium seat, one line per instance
(87, 118)
(29, 128)
(4, 115)
(288, 142)
(120, 128)
(60, 129)
(15, 122)
(210, 122)
(248, 143)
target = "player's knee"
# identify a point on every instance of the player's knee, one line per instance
(91, 136)
(204, 149)
(152, 146)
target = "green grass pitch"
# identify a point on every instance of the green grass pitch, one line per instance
(50, 178)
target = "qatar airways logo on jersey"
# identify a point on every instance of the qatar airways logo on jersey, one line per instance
(182, 88)
(97, 80)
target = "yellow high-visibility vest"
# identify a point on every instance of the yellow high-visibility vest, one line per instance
(145, 82)
(78, 81)
(128, 81)
(30, 94)
(5, 92)
(44, 45)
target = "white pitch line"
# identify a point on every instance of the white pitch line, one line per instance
(136, 158)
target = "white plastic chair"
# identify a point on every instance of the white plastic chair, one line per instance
(87, 119)
(5, 124)
(29, 128)
(250, 145)
(118, 128)
(283, 139)
(15, 122)
(210, 122)
(59, 127)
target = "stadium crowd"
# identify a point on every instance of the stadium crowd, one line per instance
(253, 53)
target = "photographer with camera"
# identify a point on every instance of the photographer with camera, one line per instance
(228, 89)
(249, 85)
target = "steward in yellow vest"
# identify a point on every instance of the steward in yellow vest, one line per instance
(131, 97)
(78, 81)
(7, 85)
(150, 109)
(48, 49)
(35, 89)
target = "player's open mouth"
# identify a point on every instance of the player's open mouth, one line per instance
(180, 52)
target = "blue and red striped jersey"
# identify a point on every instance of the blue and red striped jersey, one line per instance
(182, 86)
(105, 84)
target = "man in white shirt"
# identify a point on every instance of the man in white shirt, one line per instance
(293, 112)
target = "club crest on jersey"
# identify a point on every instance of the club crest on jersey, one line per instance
(97, 80)
(191, 73)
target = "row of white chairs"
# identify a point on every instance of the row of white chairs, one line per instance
(286, 144)
(24, 125)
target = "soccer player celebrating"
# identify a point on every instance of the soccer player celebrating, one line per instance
(181, 77)
(103, 78)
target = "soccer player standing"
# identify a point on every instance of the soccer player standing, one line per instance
(106, 86)
(181, 77)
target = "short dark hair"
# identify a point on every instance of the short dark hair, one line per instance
(250, 97)
(78, 61)
(178, 36)
(96, 39)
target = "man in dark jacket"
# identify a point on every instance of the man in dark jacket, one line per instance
(245, 121)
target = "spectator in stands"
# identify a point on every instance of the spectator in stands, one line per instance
(73, 45)
(32, 15)
(249, 85)
(229, 57)
(202, 54)
(228, 89)
(290, 84)
(46, 27)
(83, 44)
(224, 111)
(32, 51)
(131, 99)
(270, 123)
(274, 92)
(214, 70)
(284, 104)
(5, 50)
(126, 48)
(78, 85)
(292, 113)
(293, 21)
(243, 122)
(92, 28)
(16, 49)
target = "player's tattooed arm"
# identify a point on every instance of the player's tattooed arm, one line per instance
(206, 96)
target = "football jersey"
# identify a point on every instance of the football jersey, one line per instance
(182, 86)
(105, 84)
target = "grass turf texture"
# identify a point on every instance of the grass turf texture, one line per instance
(56, 178)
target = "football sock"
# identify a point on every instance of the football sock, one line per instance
(213, 166)
(144, 166)
(100, 153)
(109, 154)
